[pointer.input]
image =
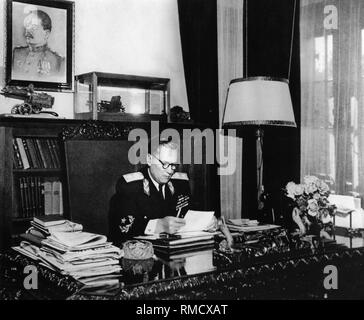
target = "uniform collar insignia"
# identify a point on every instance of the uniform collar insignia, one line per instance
(146, 187)
(171, 187)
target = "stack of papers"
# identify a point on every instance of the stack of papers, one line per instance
(246, 225)
(180, 242)
(82, 255)
(243, 222)
(191, 236)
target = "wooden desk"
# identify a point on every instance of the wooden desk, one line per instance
(294, 272)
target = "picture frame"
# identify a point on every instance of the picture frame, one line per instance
(40, 44)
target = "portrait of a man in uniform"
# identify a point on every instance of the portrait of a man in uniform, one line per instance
(39, 49)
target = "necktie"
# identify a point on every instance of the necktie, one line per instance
(161, 191)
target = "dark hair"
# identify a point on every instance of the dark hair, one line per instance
(44, 18)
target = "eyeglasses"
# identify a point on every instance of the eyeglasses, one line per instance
(166, 165)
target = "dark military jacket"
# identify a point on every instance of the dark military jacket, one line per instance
(137, 201)
(38, 62)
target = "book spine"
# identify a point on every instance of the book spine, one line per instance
(17, 157)
(51, 153)
(41, 152)
(26, 197)
(57, 206)
(37, 153)
(41, 196)
(47, 155)
(54, 144)
(23, 154)
(33, 211)
(47, 197)
(35, 181)
(38, 195)
(60, 198)
(58, 152)
(32, 153)
(26, 148)
(22, 210)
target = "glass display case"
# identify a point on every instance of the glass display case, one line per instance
(118, 97)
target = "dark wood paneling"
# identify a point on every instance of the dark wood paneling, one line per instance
(93, 168)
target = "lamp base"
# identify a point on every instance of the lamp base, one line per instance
(259, 148)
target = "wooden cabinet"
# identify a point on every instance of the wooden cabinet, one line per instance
(22, 184)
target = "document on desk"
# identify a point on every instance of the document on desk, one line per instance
(197, 221)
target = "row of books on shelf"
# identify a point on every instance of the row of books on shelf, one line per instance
(36, 153)
(39, 196)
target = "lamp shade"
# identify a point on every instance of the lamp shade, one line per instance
(258, 101)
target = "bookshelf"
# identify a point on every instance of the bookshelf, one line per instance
(32, 174)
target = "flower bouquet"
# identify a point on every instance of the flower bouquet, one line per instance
(312, 211)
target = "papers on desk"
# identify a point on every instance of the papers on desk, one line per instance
(82, 255)
(246, 225)
(243, 222)
(190, 236)
(197, 221)
(179, 238)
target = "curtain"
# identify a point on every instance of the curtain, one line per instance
(230, 53)
(198, 30)
(332, 113)
(197, 21)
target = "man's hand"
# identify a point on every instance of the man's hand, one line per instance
(169, 224)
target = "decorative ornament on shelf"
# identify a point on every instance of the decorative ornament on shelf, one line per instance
(114, 105)
(33, 103)
(311, 210)
(177, 114)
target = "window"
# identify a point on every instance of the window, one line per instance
(332, 74)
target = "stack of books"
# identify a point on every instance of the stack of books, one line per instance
(191, 237)
(180, 242)
(44, 226)
(60, 245)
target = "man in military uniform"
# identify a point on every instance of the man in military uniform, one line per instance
(37, 61)
(150, 200)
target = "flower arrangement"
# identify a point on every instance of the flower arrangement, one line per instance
(311, 207)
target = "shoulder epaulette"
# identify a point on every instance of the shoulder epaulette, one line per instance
(180, 176)
(134, 176)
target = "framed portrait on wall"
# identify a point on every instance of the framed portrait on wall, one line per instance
(40, 44)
